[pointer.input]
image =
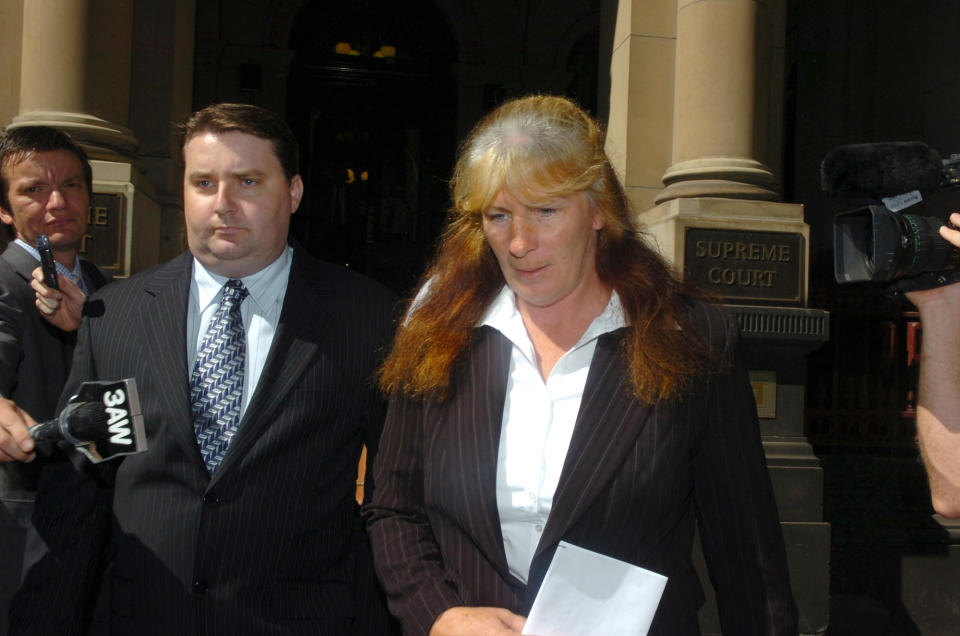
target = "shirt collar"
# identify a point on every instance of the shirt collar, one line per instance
(503, 315)
(262, 286)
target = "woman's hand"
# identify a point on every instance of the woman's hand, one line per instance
(477, 621)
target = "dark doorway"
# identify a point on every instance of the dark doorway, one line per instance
(372, 100)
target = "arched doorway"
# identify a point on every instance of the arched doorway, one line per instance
(372, 101)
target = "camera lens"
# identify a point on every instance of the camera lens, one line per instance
(874, 244)
(924, 250)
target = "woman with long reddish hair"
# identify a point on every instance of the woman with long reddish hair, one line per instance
(554, 381)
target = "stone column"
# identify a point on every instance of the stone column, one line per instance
(75, 76)
(692, 83)
(714, 104)
(641, 81)
(54, 78)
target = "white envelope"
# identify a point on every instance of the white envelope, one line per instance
(586, 593)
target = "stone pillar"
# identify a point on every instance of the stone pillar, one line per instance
(641, 104)
(775, 345)
(75, 75)
(161, 93)
(11, 24)
(692, 84)
(714, 104)
(54, 62)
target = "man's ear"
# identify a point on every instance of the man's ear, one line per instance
(296, 192)
(5, 216)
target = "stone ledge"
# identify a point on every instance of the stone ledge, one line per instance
(783, 452)
(782, 323)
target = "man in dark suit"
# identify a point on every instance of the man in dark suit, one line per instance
(240, 518)
(45, 184)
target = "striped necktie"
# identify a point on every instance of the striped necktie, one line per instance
(216, 384)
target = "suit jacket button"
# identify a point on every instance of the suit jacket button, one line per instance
(211, 499)
(199, 586)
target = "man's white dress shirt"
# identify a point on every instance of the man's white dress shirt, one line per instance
(260, 312)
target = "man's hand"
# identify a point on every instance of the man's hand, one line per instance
(63, 308)
(477, 621)
(15, 441)
(949, 233)
(933, 301)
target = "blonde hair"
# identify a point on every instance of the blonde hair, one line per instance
(535, 146)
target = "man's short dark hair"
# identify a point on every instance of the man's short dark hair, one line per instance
(19, 143)
(249, 119)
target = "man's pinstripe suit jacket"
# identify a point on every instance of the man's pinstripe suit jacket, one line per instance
(273, 542)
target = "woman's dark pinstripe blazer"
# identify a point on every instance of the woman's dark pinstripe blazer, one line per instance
(636, 481)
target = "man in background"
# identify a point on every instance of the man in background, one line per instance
(45, 184)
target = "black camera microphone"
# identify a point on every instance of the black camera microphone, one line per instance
(862, 174)
(102, 421)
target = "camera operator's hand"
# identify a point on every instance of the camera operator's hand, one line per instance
(938, 407)
(929, 300)
(953, 235)
(951, 231)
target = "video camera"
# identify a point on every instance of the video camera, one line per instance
(878, 242)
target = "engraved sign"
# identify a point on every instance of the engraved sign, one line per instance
(103, 242)
(745, 266)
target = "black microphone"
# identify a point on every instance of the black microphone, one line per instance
(78, 423)
(862, 174)
(102, 421)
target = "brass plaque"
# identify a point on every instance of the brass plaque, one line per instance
(745, 266)
(103, 242)
(764, 384)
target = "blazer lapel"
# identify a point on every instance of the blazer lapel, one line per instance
(302, 323)
(20, 260)
(163, 316)
(484, 391)
(608, 423)
(24, 264)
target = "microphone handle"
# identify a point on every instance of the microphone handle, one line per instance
(59, 428)
(48, 431)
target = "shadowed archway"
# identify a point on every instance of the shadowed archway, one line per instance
(372, 100)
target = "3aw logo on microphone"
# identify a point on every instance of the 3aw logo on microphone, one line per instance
(123, 432)
(118, 422)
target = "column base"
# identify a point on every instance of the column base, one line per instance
(725, 177)
(86, 128)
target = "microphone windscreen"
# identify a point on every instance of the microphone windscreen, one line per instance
(88, 422)
(862, 174)
(81, 422)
